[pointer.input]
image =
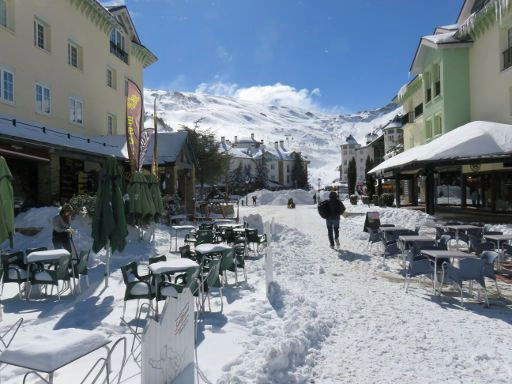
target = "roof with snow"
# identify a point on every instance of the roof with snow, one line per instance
(438, 41)
(53, 137)
(475, 140)
(350, 140)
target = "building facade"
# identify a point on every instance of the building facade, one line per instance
(66, 71)
(348, 152)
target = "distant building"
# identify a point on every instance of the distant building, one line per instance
(348, 152)
(246, 151)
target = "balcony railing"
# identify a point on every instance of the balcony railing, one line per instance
(116, 50)
(507, 58)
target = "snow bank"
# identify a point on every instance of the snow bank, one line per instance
(266, 197)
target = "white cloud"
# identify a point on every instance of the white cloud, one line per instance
(277, 94)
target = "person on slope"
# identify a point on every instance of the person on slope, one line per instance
(331, 210)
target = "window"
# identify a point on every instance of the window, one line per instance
(117, 38)
(418, 111)
(76, 110)
(287, 167)
(74, 55)
(438, 126)
(3, 13)
(111, 78)
(6, 86)
(428, 129)
(43, 99)
(437, 79)
(111, 124)
(428, 87)
(272, 166)
(41, 35)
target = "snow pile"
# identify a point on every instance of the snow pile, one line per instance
(266, 197)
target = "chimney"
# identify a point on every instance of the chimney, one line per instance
(262, 142)
(223, 139)
(236, 139)
(281, 142)
(276, 144)
(252, 136)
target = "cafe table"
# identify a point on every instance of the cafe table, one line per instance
(180, 228)
(500, 240)
(50, 256)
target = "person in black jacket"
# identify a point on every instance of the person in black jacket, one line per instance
(336, 209)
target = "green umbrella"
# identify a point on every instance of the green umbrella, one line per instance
(109, 229)
(6, 203)
(154, 190)
(141, 209)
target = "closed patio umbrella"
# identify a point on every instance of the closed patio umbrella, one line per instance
(154, 190)
(141, 209)
(6, 203)
(109, 229)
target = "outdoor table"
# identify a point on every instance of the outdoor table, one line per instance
(499, 240)
(230, 225)
(169, 266)
(205, 249)
(49, 351)
(460, 227)
(178, 228)
(48, 256)
(386, 230)
(411, 239)
(441, 254)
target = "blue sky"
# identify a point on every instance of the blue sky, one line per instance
(334, 54)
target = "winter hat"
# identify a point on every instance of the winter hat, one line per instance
(333, 195)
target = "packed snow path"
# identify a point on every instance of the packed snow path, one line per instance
(341, 317)
(334, 317)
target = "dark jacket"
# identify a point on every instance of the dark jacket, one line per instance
(336, 209)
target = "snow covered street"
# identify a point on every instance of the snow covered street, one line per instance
(334, 316)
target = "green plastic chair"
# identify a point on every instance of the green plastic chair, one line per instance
(157, 259)
(210, 279)
(79, 268)
(200, 237)
(187, 253)
(14, 270)
(189, 279)
(137, 287)
(47, 276)
(258, 241)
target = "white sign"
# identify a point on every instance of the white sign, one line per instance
(168, 344)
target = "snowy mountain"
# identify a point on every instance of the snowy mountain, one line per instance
(317, 134)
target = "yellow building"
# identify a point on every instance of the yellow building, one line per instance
(64, 67)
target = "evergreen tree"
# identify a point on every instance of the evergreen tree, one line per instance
(261, 173)
(370, 179)
(299, 172)
(236, 178)
(352, 176)
(212, 166)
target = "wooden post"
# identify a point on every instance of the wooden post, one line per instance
(429, 191)
(397, 189)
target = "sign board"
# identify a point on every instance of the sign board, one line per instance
(372, 221)
(168, 344)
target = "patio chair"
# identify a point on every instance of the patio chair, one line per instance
(189, 279)
(489, 258)
(157, 259)
(439, 233)
(468, 270)
(7, 337)
(200, 237)
(477, 246)
(79, 268)
(137, 287)
(48, 276)
(495, 243)
(375, 236)
(210, 279)
(418, 266)
(228, 263)
(239, 259)
(206, 227)
(444, 242)
(187, 253)
(390, 248)
(258, 241)
(14, 270)
(105, 368)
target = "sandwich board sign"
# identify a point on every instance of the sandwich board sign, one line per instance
(168, 343)
(372, 221)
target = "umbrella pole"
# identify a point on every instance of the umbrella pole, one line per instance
(107, 272)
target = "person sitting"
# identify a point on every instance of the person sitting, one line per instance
(291, 203)
(61, 236)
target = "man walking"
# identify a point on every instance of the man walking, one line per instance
(331, 210)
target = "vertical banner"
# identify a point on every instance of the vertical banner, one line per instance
(168, 344)
(154, 167)
(133, 124)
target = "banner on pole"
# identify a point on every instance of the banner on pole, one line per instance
(168, 344)
(133, 124)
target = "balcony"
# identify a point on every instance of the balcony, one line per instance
(116, 50)
(507, 58)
